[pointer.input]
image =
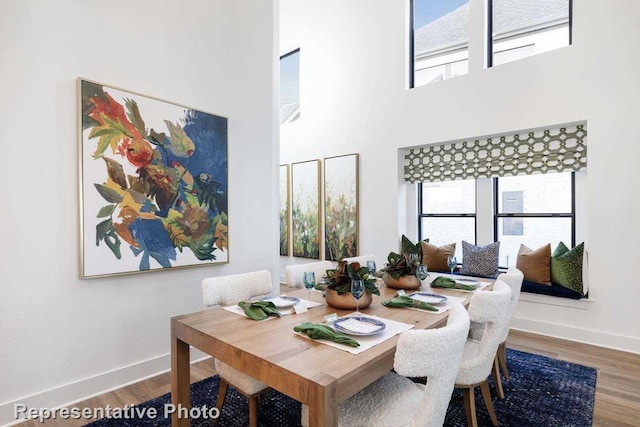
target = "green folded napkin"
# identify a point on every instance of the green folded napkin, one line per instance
(259, 310)
(321, 332)
(446, 282)
(403, 301)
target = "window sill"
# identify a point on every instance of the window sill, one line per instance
(579, 304)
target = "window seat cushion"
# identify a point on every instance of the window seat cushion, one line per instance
(537, 288)
(553, 290)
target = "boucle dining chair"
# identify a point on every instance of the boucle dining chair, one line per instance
(294, 273)
(229, 290)
(491, 308)
(513, 277)
(362, 259)
(394, 400)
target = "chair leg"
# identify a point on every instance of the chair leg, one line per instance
(502, 358)
(253, 411)
(486, 395)
(470, 406)
(495, 371)
(222, 393)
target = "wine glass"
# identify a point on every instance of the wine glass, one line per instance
(357, 289)
(371, 266)
(422, 272)
(452, 262)
(309, 279)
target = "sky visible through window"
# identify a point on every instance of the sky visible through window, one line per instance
(426, 11)
(290, 79)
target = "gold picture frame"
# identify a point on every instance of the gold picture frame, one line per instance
(341, 212)
(305, 209)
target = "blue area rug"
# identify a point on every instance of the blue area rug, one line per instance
(541, 392)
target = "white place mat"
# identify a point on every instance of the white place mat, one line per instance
(283, 311)
(445, 306)
(392, 329)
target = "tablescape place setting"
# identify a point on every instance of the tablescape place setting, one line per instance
(359, 325)
(423, 301)
(269, 308)
(283, 301)
(458, 284)
(353, 333)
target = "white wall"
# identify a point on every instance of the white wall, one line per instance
(354, 99)
(64, 338)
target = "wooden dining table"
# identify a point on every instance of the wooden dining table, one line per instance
(316, 374)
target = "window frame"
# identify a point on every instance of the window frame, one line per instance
(572, 215)
(489, 28)
(496, 215)
(286, 55)
(474, 215)
(412, 56)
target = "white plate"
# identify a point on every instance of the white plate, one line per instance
(471, 282)
(283, 301)
(428, 297)
(358, 325)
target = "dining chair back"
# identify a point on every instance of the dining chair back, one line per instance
(229, 290)
(434, 354)
(513, 277)
(362, 259)
(394, 400)
(294, 273)
(490, 308)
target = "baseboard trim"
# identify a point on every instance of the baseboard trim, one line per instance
(581, 335)
(77, 391)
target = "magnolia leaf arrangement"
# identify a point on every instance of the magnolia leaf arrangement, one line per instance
(339, 279)
(407, 261)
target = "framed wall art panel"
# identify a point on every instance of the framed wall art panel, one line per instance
(284, 210)
(341, 207)
(305, 209)
(153, 183)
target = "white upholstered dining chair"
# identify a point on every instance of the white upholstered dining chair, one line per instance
(362, 260)
(228, 290)
(513, 277)
(294, 273)
(394, 400)
(490, 308)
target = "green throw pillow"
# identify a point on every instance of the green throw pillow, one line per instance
(566, 267)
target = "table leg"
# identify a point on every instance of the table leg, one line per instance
(180, 380)
(323, 403)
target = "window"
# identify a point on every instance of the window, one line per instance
(533, 210)
(439, 41)
(290, 87)
(521, 28)
(447, 212)
(528, 209)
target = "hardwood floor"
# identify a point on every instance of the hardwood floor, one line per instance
(617, 400)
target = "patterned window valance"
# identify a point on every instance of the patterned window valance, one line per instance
(543, 151)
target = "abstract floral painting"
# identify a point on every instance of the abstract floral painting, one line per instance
(305, 209)
(153, 184)
(284, 210)
(341, 207)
